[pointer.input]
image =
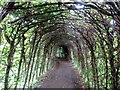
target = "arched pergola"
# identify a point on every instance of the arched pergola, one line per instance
(88, 32)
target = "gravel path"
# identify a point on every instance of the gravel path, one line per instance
(63, 75)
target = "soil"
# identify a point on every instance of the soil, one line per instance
(63, 75)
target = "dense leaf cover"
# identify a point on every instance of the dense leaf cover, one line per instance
(31, 32)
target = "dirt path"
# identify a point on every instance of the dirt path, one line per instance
(62, 76)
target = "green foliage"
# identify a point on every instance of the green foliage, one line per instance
(32, 31)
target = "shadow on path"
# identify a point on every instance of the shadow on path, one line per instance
(63, 75)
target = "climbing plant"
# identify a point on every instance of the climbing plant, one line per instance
(30, 33)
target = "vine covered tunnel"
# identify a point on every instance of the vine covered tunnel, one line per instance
(33, 35)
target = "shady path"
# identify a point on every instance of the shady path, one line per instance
(62, 75)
